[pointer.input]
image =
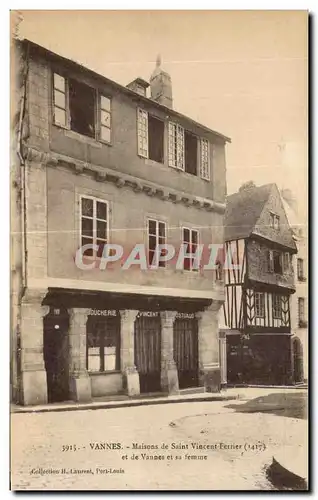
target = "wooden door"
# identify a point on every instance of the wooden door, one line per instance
(148, 353)
(185, 346)
(56, 350)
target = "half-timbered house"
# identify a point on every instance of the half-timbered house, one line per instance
(256, 338)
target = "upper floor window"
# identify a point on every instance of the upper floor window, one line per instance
(185, 154)
(301, 312)
(94, 224)
(286, 262)
(190, 239)
(81, 108)
(150, 136)
(277, 306)
(205, 159)
(300, 270)
(274, 220)
(259, 304)
(156, 236)
(277, 261)
(176, 146)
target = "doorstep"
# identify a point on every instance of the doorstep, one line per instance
(126, 401)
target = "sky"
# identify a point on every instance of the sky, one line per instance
(241, 73)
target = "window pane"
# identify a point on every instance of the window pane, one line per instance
(59, 99)
(88, 241)
(195, 237)
(101, 245)
(87, 207)
(60, 117)
(162, 229)
(105, 118)
(87, 227)
(105, 103)
(110, 359)
(59, 82)
(101, 229)
(152, 242)
(94, 359)
(101, 210)
(105, 134)
(152, 226)
(186, 235)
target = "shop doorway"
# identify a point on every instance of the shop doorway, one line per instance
(185, 347)
(56, 352)
(148, 352)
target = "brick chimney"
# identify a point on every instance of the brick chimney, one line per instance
(160, 85)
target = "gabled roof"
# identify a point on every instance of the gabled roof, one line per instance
(248, 213)
(243, 210)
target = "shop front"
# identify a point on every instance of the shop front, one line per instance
(103, 344)
(259, 359)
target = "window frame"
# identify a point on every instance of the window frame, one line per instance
(259, 304)
(178, 129)
(274, 221)
(101, 349)
(301, 310)
(210, 149)
(98, 94)
(161, 264)
(277, 314)
(300, 269)
(94, 218)
(191, 260)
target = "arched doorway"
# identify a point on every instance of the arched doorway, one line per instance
(56, 352)
(298, 361)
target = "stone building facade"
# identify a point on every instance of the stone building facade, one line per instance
(94, 162)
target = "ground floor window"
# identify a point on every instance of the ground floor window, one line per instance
(103, 344)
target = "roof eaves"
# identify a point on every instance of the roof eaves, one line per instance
(125, 90)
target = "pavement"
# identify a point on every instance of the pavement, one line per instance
(193, 445)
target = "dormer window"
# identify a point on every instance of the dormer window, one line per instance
(274, 221)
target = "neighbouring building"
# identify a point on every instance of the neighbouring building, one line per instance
(95, 162)
(256, 333)
(299, 304)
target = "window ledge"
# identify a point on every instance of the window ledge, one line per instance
(83, 138)
(109, 372)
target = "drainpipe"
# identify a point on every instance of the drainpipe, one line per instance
(23, 174)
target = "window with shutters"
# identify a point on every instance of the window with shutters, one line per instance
(150, 136)
(205, 159)
(94, 220)
(81, 108)
(156, 236)
(176, 146)
(190, 240)
(60, 100)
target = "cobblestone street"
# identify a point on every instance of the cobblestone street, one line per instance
(240, 446)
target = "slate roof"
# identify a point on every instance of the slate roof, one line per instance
(243, 210)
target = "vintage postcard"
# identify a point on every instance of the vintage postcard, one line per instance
(159, 270)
